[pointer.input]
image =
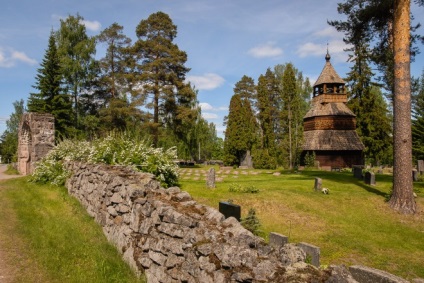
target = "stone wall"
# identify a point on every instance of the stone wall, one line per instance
(165, 234)
(171, 238)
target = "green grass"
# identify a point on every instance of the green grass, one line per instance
(56, 237)
(351, 225)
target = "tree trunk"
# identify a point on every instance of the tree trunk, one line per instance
(402, 199)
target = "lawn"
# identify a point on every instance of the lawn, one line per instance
(351, 225)
(52, 238)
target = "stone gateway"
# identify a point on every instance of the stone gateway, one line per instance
(35, 140)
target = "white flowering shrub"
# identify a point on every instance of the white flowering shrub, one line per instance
(116, 150)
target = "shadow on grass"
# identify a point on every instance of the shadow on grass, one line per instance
(348, 178)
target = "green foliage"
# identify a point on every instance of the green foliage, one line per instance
(418, 120)
(251, 222)
(114, 150)
(262, 159)
(237, 188)
(9, 138)
(240, 135)
(310, 159)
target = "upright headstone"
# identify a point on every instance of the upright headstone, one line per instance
(230, 210)
(357, 171)
(421, 166)
(369, 178)
(414, 175)
(210, 179)
(277, 240)
(318, 184)
(313, 252)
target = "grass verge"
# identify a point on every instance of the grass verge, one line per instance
(351, 225)
(56, 237)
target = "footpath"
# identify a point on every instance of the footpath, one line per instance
(7, 272)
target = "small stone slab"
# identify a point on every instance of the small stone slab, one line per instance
(210, 180)
(230, 210)
(420, 166)
(364, 274)
(277, 240)
(414, 175)
(318, 184)
(357, 171)
(312, 251)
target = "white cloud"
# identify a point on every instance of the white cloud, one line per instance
(92, 25)
(329, 32)
(205, 106)
(335, 47)
(10, 57)
(208, 115)
(208, 81)
(266, 50)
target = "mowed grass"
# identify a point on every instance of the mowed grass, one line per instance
(352, 225)
(53, 238)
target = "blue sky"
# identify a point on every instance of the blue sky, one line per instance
(224, 40)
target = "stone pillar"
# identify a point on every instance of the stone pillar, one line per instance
(318, 184)
(210, 179)
(35, 140)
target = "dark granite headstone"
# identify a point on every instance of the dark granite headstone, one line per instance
(369, 178)
(230, 209)
(357, 172)
(318, 184)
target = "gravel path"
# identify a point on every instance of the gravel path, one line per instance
(7, 271)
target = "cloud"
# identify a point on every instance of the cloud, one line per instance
(335, 47)
(205, 106)
(266, 50)
(328, 32)
(10, 57)
(92, 25)
(208, 81)
(207, 115)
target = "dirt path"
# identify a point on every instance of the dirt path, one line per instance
(8, 270)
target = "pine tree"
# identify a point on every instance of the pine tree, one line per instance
(161, 65)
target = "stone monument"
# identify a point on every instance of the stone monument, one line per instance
(35, 140)
(210, 179)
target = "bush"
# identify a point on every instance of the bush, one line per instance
(117, 150)
(237, 188)
(263, 160)
(309, 159)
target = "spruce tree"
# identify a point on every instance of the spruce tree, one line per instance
(267, 94)
(50, 98)
(240, 134)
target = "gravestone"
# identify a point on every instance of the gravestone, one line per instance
(414, 175)
(277, 240)
(230, 210)
(35, 140)
(421, 166)
(313, 252)
(246, 160)
(369, 178)
(210, 179)
(357, 171)
(318, 184)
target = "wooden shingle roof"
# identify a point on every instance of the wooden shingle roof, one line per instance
(328, 74)
(332, 140)
(329, 109)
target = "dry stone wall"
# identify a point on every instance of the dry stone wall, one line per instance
(171, 238)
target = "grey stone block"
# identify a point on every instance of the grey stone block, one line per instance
(364, 274)
(318, 184)
(311, 251)
(277, 240)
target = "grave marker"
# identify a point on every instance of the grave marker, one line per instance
(210, 179)
(230, 210)
(318, 184)
(369, 178)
